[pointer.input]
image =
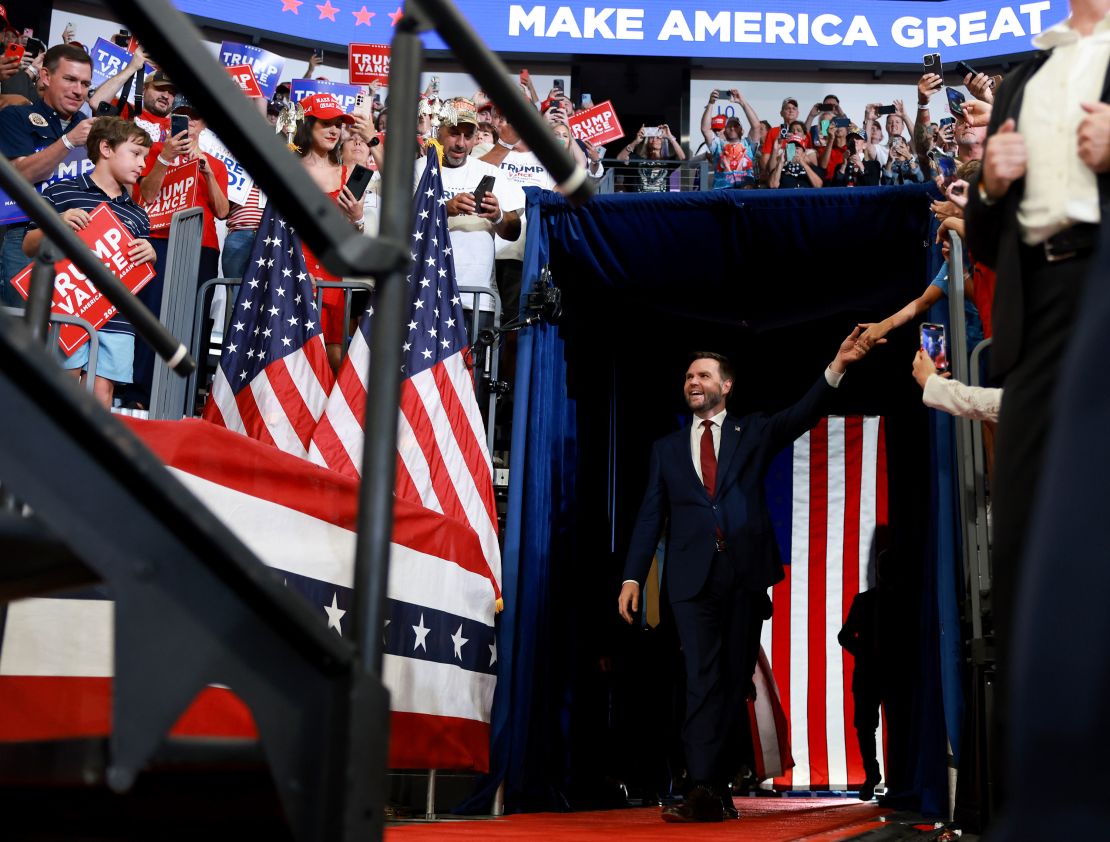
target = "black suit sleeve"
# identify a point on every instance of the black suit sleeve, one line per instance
(649, 522)
(849, 634)
(787, 424)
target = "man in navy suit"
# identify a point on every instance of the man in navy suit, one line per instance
(721, 557)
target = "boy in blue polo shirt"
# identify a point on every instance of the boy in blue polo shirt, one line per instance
(118, 149)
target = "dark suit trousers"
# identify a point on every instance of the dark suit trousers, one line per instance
(715, 628)
(1051, 294)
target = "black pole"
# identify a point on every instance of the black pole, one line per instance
(40, 295)
(172, 39)
(164, 343)
(491, 73)
(383, 392)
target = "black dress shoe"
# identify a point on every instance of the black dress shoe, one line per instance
(728, 808)
(701, 805)
(867, 791)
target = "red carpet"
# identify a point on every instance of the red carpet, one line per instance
(765, 820)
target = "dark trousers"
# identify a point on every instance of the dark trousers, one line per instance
(151, 296)
(866, 699)
(1051, 293)
(715, 628)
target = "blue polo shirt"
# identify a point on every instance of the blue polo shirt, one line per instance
(84, 194)
(27, 129)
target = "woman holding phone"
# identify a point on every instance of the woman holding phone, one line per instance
(317, 143)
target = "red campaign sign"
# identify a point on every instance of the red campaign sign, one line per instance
(74, 293)
(179, 191)
(243, 76)
(368, 63)
(597, 125)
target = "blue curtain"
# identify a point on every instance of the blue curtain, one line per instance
(745, 261)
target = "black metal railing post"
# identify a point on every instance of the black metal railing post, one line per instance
(40, 294)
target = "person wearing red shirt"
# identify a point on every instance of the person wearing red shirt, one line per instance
(165, 159)
(789, 113)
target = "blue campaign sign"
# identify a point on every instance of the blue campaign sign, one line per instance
(108, 60)
(855, 31)
(74, 164)
(267, 66)
(345, 94)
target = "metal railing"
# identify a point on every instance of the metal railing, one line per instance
(56, 321)
(663, 176)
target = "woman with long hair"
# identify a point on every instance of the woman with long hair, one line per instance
(317, 144)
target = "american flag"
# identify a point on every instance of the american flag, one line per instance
(273, 379)
(827, 493)
(443, 463)
(440, 658)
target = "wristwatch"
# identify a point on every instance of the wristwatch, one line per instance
(984, 196)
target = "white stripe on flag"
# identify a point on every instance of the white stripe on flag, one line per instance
(437, 689)
(58, 637)
(834, 605)
(867, 500)
(307, 383)
(225, 402)
(799, 614)
(408, 447)
(346, 426)
(273, 415)
(460, 377)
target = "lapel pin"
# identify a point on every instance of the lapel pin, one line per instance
(736, 427)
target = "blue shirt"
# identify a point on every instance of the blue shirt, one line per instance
(27, 129)
(971, 312)
(83, 193)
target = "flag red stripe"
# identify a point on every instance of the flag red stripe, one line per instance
(853, 469)
(818, 540)
(780, 653)
(316, 352)
(406, 488)
(296, 410)
(453, 743)
(414, 411)
(252, 419)
(331, 447)
(472, 451)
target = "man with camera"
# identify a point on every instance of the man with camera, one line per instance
(732, 155)
(37, 138)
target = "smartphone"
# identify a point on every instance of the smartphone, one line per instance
(484, 186)
(966, 69)
(359, 180)
(955, 102)
(15, 50)
(886, 109)
(825, 126)
(935, 345)
(723, 94)
(178, 123)
(947, 165)
(362, 104)
(106, 109)
(587, 101)
(815, 135)
(946, 121)
(842, 122)
(826, 106)
(28, 33)
(318, 52)
(652, 131)
(558, 84)
(931, 64)
(122, 38)
(790, 150)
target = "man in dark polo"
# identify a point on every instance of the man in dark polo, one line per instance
(38, 137)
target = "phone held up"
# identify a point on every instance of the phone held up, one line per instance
(935, 345)
(885, 109)
(955, 102)
(178, 123)
(122, 38)
(931, 64)
(842, 122)
(14, 50)
(484, 186)
(359, 180)
(652, 131)
(723, 94)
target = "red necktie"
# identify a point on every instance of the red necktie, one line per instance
(708, 458)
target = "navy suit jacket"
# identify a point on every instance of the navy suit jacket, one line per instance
(738, 507)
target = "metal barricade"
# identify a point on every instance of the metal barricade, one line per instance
(682, 177)
(56, 321)
(168, 393)
(485, 369)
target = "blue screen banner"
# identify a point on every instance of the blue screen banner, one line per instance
(857, 31)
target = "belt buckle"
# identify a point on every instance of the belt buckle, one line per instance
(1052, 256)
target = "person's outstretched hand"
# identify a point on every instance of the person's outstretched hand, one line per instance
(629, 600)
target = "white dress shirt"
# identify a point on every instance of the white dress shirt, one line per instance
(1060, 190)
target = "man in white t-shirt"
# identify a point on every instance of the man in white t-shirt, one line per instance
(472, 228)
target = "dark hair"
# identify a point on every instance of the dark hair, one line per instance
(68, 52)
(485, 126)
(113, 131)
(831, 96)
(794, 123)
(303, 139)
(723, 362)
(766, 124)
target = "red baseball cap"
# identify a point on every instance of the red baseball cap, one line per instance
(719, 122)
(325, 107)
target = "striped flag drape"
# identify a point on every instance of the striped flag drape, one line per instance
(826, 493)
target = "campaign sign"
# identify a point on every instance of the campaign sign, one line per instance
(597, 125)
(243, 76)
(75, 163)
(108, 60)
(74, 293)
(368, 63)
(267, 66)
(179, 191)
(344, 94)
(238, 181)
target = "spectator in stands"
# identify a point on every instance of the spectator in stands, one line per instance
(19, 78)
(484, 138)
(37, 138)
(901, 166)
(899, 123)
(855, 170)
(164, 161)
(733, 157)
(874, 149)
(158, 97)
(317, 144)
(826, 109)
(792, 165)
(118, 150)
(969, 141)
(655, 153)
(789, 113)
(831, 155)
